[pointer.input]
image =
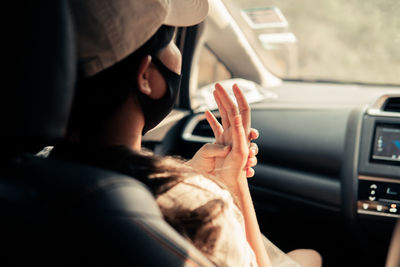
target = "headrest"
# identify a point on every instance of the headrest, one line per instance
(38, 104)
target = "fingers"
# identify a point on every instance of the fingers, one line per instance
(252, 160)
(228, 104)
(244, 107)
(250, 172)
(240, 123)
(215, 125)
(222, 111)
(239, 138)
(254, 134)
(229, 109)
(214, 151)
(253, 150)
(239, 142)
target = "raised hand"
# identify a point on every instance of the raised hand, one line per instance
(206, 157)
(235, 131)
(223, 133)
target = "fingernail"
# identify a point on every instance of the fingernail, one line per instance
(256, 133)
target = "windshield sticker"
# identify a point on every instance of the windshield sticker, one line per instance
(264, 18)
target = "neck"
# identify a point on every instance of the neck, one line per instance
(126, 125)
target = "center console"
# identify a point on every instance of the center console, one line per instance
(379, 161)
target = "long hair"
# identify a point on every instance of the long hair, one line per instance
(159, 173)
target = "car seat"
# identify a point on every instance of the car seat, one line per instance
(60, 213)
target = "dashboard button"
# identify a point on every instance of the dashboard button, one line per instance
(393, 208)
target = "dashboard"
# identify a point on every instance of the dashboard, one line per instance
(379, 165)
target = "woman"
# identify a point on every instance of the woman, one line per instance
(125, 90)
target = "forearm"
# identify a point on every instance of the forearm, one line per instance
(253, 233)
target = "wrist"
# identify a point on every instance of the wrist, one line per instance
(240, 186)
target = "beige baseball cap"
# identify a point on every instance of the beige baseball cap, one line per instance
(110, 30)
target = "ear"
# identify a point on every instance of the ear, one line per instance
(143, 76)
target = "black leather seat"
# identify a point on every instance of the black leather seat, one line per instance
(60, 213)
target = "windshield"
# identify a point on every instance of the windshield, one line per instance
(330, 40)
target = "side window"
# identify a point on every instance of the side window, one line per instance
(211, 69)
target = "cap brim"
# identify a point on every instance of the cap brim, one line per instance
(184, 13)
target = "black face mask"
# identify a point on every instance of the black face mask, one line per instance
(155, 110)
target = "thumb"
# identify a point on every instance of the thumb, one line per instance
(214, 151)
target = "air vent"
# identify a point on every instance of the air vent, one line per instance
(203, 129)
(197, 129)
(392, 104)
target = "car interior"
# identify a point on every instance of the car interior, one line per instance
(328, 172)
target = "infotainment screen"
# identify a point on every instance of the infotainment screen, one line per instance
(387, 143)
